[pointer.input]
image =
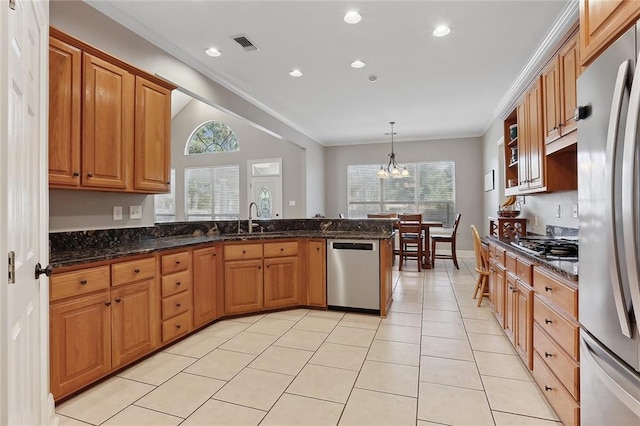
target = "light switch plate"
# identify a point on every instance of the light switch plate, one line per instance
(575, 211)
(135, 212)
(292, 203)
(117, 212)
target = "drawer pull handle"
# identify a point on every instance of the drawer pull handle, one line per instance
(281, 249)
(107, 303)
(547, 355)
(547, 321)
(177, 262)
(178, 283)
(547, 388)
(89, 174)
(259, 267)
(547, 288)
(137, 271)
(118, 300)
(317, 248)
(244, 252)
(178, 304)
(178, 326)
(83, 282)
(76, 174)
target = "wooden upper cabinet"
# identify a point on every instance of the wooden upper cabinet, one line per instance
(107, 124)
(523, 145)
(535, 140)
(152, 154)
(65, 76)
(602, 22)
(559, 91)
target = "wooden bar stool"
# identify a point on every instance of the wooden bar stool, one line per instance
(411, 238)
(482, 266)
(451, 239)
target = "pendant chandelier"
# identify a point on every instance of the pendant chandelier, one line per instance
(392, 169)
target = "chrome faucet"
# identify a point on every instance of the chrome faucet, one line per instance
(251, 224)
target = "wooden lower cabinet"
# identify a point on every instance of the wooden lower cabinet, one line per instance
(80, 339)
(523, 340)
(281, 280)
(511, 303)
(131, 322)
(206, 269)
(317, 273)
(176, 292)
(243, 288)
(499, 293)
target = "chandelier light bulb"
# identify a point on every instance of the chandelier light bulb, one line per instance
(405, 172)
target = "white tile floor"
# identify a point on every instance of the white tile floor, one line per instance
(435, 359)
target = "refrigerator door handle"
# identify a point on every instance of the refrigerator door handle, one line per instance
(615, 260)
(629, 196)
(597, 360)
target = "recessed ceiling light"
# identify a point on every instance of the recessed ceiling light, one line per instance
(295, 73)
(373, 78)
(352, 17)
(441, 31)
(212, 51)
(357, 64)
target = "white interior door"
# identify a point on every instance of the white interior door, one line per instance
(24, 360)
(266, 192)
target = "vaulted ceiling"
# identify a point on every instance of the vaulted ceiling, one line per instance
(432, 87)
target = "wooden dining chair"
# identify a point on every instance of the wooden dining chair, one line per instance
(482, 266)
(451, 239)
(411, 238)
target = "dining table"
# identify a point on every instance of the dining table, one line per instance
(425, 225)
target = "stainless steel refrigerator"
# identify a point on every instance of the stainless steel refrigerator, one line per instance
(609, 196)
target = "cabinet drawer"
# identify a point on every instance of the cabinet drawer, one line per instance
(176, 326)
(565, 406)
(175, 262)
(243, 251)
(135, 270)
(176, 304)
(289, 248)
(79, 282)
(510, 262)
(565, 332)
(556, 290)
(524, 270)
(175, 283)
(564, 368)
(500, 255)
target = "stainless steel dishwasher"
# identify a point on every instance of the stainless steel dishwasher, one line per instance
(353, 274)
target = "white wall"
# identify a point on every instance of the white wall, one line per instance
(92, 209)
(467, 154)
(492, 151)
(253, 143)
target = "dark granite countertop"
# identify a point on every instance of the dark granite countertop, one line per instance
(90, 251)
(566, 268)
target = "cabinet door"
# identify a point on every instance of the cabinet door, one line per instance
(80, 338)
(152, 153)
(524, 323)
(535, 143)
(243, 291)
(601, 22)
(65, 80)
(281, 282)
(316, 274)
(107, 130)
(500, 294)
(569, 63)
(205, 285)
(510, 306)
(523, 146)
(551, 99)
(132, 322)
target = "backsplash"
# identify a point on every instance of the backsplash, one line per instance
(560, 231)
(89, 239)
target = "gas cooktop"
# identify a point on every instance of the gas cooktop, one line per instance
(549, 248)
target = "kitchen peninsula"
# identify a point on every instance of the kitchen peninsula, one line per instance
(118, 295)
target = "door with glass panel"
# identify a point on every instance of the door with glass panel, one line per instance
(265, 187)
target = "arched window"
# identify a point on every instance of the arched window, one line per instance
(212, 136)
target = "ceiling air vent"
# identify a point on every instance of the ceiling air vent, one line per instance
(246, 44)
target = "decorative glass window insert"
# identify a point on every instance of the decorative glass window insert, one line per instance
(265, 203)
(212, 136)
(429, 189)
(165, 204)
(212, 192)
(265, 169)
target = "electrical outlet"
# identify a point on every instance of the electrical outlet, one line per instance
(135, 212)
(575, 211)
(535, 220)
(558, 211)
(292, 203)
(117, 212)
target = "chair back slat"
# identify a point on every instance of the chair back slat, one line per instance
(456, 222)
(410, 223)
(482, 263)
